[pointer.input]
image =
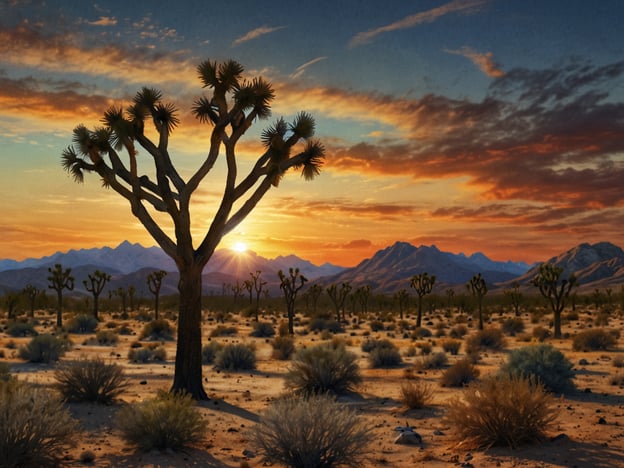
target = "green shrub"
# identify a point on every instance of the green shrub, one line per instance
(314, 432)
(158, 330)
(210, 351)
(385, 357)
(486, 339)
(433, 361)
(416, 395)
(459, 374)
(238, 356)
(262, 330)
(283, 347)
(90, 380)
(168, 421)
(44, 348)
(20, 329)
(512, 326)
(543, 363)
(503, 411)
(35, 426)
(451, 346)
(323, 369)
(593, 339)
(81, 324)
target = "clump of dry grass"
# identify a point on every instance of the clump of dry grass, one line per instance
(90, 380)
(593, 340)
(451, 346)
(502, 411)
(459, 374)
(416, 394)
(487, 339)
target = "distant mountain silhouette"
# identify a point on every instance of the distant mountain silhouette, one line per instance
(392, 268)
(599, 265)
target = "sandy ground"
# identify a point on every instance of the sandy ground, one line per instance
(589, 430)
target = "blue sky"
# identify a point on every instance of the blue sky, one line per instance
(476, 125)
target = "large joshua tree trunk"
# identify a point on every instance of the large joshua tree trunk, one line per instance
(188, 364)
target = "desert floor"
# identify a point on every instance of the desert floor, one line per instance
(589, 430)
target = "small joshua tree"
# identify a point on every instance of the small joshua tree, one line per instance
(478, 288)
(31, 292)
(338, 295)
(291, 285)
(554, 288)
(154, 283)
(422, 284)
(95, 286)
(402, 298)
(60, 279)
(257, 284)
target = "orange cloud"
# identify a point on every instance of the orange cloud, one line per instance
(485, 61)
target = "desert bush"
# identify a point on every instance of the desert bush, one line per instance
(376, 325)
(282, 328)
(20, 329)
(223, 330)
(314, 432)
(81, 324)
(512, 326)
(124, 329)
(210, 351)
(593, 340)
(236, 356)
(323, 369)
(106, 338)
(90, 380)
(489, 338)
(459, 374)
(157, 330)
(369, 345)
(420, 332)
(617, 379)
(502, 411)
(262, 330)
(385, 357)
(425, 348)
(451, 346)
(541, 334)
(618, 361)
(415, 395)
(167, 422)
(44, 348)
(35, 426)
(283, 347)
(458, 331)
(147, 354)
(321, 324)
(541, 363)
(432, 361)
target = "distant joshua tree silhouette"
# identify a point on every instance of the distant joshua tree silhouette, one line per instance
(154, 283)
(60, 279)
(231, 107)
(95, 286)
(556, 289)
(423, 285)
(31, 292)
(290, 285)
(479, 289)
(338, 295)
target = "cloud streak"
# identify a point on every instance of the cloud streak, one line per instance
(485, 61)
(302, 68)
(255, 34)
(429, 16)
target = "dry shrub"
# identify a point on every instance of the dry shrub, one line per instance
(512, 326)
(21, 329)
(154, 353)
(451, 346)
(262, 330)
(223, 330)
(593, 340)
(617, 379)
(416, 395)
(459, 374)
(432, 361)
(502, 411)
(283, 347)
(236, 356)
(487, 339)
(168, 421)
(81, 324)
(323, 369)
(158, 330)
(35, 426)
(541, 334)
(314, 432)
(458, 331)
(210, 351)
(106, 338)
(90, 380)
(44, 348)
(385, 357)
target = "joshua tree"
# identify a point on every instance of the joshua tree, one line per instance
(123, 295)
(154, 283)
(31, 292)
(338, 295)
(556, 290)
(258, 284)
(362, 294)
(478, 288)
(232, 105)
(449, 295)
(291, 285)
(95, 286)
(314, 293)
(248, 286)
(11, 300)
(131, 293)
(59, 280)
(402, 298)
(237, 290)
(515, 296)
(422, 284)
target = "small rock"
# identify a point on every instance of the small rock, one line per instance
(587, 390)
(249, 454)
(408, 438)
(583, 362)
(602, 420)
(559, 437)
(143, 382)
(438, 432)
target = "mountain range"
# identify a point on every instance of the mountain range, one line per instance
(390, 269)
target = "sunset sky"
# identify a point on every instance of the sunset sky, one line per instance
(476, 125)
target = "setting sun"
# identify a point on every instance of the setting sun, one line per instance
(239, 247)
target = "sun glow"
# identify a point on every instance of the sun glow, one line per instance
(239, 247)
